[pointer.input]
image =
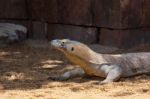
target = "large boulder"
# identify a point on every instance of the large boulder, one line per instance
(39, 30)
(124, 38)
(10, 33)
(13, 9)
(84, 34)
(43, 10)
(77, 12)
(121, 14)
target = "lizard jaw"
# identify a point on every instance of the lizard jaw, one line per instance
(57, 44)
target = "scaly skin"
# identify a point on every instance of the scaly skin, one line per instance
(109, 66)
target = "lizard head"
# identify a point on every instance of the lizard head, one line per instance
(71, 47)
(74, 50)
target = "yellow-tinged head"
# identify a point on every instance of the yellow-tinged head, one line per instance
(71, 47)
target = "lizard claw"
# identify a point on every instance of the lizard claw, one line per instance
(101, 82)
(97, 83)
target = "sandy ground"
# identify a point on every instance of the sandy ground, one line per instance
(24, 71)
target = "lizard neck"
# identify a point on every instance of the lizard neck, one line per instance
(89, 56)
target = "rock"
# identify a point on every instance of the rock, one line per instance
(124, 38)
(10, 33)
(106, 13)
(82, 34)
(26, 23)
(77, 12)
(115, 14)
(13, 9)
(120, 14)
(43, 10)
(39, 30)
(146, 13)
(103, 49)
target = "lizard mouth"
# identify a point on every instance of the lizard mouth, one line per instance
(57, 44)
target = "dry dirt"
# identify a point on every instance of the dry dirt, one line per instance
(24, 71)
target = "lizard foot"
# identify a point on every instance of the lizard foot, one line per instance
(99, 83)
(102, 82)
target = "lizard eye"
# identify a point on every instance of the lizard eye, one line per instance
(63, 42)
(72, 49)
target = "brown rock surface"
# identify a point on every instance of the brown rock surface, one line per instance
(120, 14)
(83, 34)
(39, 30)
(124, 38)
(146, 13)
(44, 10)
(75, 12)
(13, 9)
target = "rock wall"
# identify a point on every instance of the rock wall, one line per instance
(119, 23)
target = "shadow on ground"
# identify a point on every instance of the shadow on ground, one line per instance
(23, 67)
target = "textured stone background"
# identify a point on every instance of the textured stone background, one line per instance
(119, 23)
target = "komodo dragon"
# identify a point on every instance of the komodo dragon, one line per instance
(110, 66)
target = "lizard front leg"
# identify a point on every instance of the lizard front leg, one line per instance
(69, 74)
(113, 74)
